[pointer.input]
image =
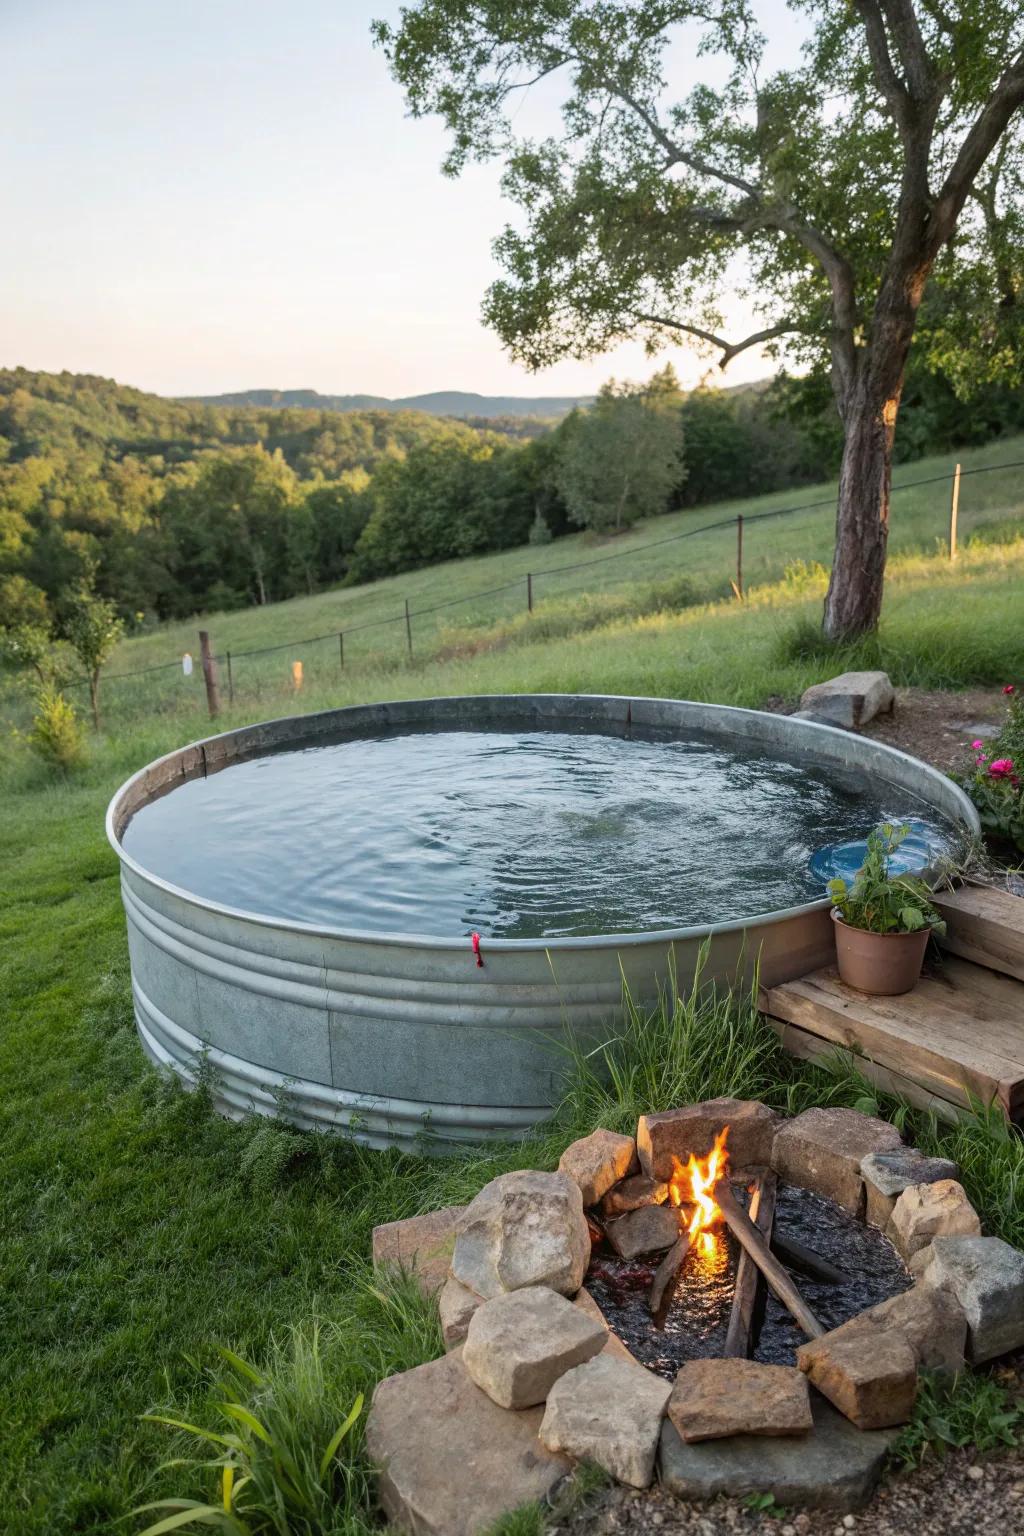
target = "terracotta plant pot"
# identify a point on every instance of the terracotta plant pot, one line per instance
(885, 964)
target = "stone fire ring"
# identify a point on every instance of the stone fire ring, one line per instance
(535, 1379)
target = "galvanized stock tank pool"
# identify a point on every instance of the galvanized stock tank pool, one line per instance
(302, 895)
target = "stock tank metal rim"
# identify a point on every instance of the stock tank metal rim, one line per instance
(399, 1039)
(193, 761)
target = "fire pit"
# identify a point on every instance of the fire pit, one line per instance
(759, 1267)
(738, 1301)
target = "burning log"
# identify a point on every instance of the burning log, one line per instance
(695, 1183)
(755, 1244)
(748, 1277)
(805, 1259)
(667, 1271)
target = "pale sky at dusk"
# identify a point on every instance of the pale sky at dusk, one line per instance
(207, 195)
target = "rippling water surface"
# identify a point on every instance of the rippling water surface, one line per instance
(520, 834)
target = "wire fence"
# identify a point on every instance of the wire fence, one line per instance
(210, 678)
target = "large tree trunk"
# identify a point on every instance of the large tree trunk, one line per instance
(854, 601)
(869, 408)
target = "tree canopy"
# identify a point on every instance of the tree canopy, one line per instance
(826, 195)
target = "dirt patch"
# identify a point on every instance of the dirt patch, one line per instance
(939, 727)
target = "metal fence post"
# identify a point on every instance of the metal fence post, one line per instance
(529, 592)
(231, 681)
(341, 649)
(954, 508)
(209, 674)
(739, 554)
(408, 626)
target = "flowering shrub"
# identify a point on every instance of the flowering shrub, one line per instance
(997, 784)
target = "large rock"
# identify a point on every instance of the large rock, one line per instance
(986, 1276)
(456, 1305)
(523, 1229)
(850, 700)
(519, 1344)
(930, 1318)
(598, 1161)
(451, 1461)
(835, 1467)
(633, 1193)
(822, 1150)
(610, 1412)
(422, 1246)
(651, 1229)
(871, 1377)
(887, 1174)
(715, 1398)
(927, 1211)
(672, 1135)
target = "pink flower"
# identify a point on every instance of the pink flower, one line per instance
(977, 745)
(1001, 767)
(1009, 688)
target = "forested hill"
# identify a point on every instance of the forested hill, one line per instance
(43, 413)
(445, 402)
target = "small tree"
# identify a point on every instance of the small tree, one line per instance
(621, 459)
(92, 629)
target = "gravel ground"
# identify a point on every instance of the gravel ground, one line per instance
(957, 1496)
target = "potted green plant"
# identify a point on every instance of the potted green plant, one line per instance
(882, 921)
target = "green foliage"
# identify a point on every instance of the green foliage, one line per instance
(442, 501)
(92, 628)
(56, 735)
(540, 533)
(880, 902)
(700, 1045)
(967, 1409)
(622, 459)
(282, 1460)
(28, 647)
(765, 1504)
(635, 213)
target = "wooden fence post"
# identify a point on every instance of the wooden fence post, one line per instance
(408, 626)
(210, 674)
(954, 508)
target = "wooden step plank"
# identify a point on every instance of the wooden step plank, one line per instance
(928, 1035)
(823, 1053)
(986, 926)
(935, 1017)
(996, 995)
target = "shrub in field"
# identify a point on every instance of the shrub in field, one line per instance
(56, 733)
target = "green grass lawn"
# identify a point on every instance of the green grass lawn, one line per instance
(139, 1232)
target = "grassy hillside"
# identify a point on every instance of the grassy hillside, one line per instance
(637, 571)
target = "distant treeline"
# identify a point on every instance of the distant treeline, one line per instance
(168, 508)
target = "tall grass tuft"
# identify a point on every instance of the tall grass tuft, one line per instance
(284, 1454)
(709, 1043)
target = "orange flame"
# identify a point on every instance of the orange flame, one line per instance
(695, 1184)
